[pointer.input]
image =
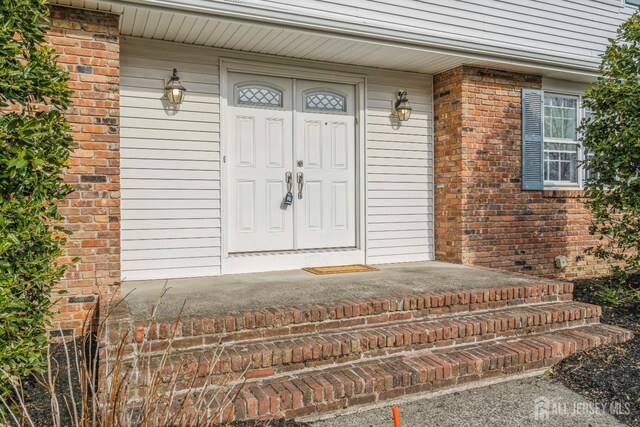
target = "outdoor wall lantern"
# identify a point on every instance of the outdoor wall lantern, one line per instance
(402, 107)
(174, 91)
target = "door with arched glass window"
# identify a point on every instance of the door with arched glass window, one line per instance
(290, 156)
(259, 159)
(324, 147)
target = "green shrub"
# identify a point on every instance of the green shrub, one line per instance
(35, 143)
(619, 289)
(611, 139)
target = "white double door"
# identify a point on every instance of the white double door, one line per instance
(288, 135)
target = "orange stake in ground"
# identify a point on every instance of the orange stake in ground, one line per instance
(396, 417)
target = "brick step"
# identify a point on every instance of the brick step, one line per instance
(329, 389)
(270, 357)
(316, 318)
(266, 358)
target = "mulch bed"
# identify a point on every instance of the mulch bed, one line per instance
(608, 375)
(37, 399)
(279, 423)
(38, 402)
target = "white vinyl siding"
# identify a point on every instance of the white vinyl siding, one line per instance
(499, 34)
(171, 163)
(560, 28)
(399, 171)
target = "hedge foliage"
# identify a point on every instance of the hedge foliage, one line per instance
(35, 144)
(611, 139)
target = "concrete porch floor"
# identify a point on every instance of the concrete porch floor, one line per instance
(244, 292)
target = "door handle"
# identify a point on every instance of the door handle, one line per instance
(288, 178)
(300, 184)
(288, 199)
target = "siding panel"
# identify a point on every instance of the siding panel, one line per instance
(567, 28)
(171, 164)
(170, 170)
(562, 32)
(399, 172)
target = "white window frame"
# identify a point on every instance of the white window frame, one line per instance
(563, 185)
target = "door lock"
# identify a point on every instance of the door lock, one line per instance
(288, 199)
(300, 184)
(300, 163)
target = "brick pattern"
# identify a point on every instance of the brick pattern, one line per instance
(265, 358)
(303, 360)
(329, 390)
(312, 318)
(449, 165)
(269, 358)
(291, 333)
(88, 47)
(482, 216)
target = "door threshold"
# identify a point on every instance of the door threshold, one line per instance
(292, 251)
(255, 262)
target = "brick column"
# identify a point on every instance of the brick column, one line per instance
(88, 47)
(482, 215)
(449, 164)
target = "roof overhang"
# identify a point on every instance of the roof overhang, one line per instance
(270, 30)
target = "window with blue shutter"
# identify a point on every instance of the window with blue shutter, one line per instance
(532, 140)
(561, 144)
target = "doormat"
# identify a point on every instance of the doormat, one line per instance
(337, 269)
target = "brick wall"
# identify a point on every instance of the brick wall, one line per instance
(449, 165)
(482, 215)
(88, 47)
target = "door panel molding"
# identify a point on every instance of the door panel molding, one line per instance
(325, 80)
(329, 153)
(257, 165)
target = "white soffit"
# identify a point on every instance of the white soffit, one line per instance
(224, 33)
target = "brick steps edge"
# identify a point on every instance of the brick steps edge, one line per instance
(365, 383)
(277, 356)
(312, 318)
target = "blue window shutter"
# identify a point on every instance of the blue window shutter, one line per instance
(532, 145)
